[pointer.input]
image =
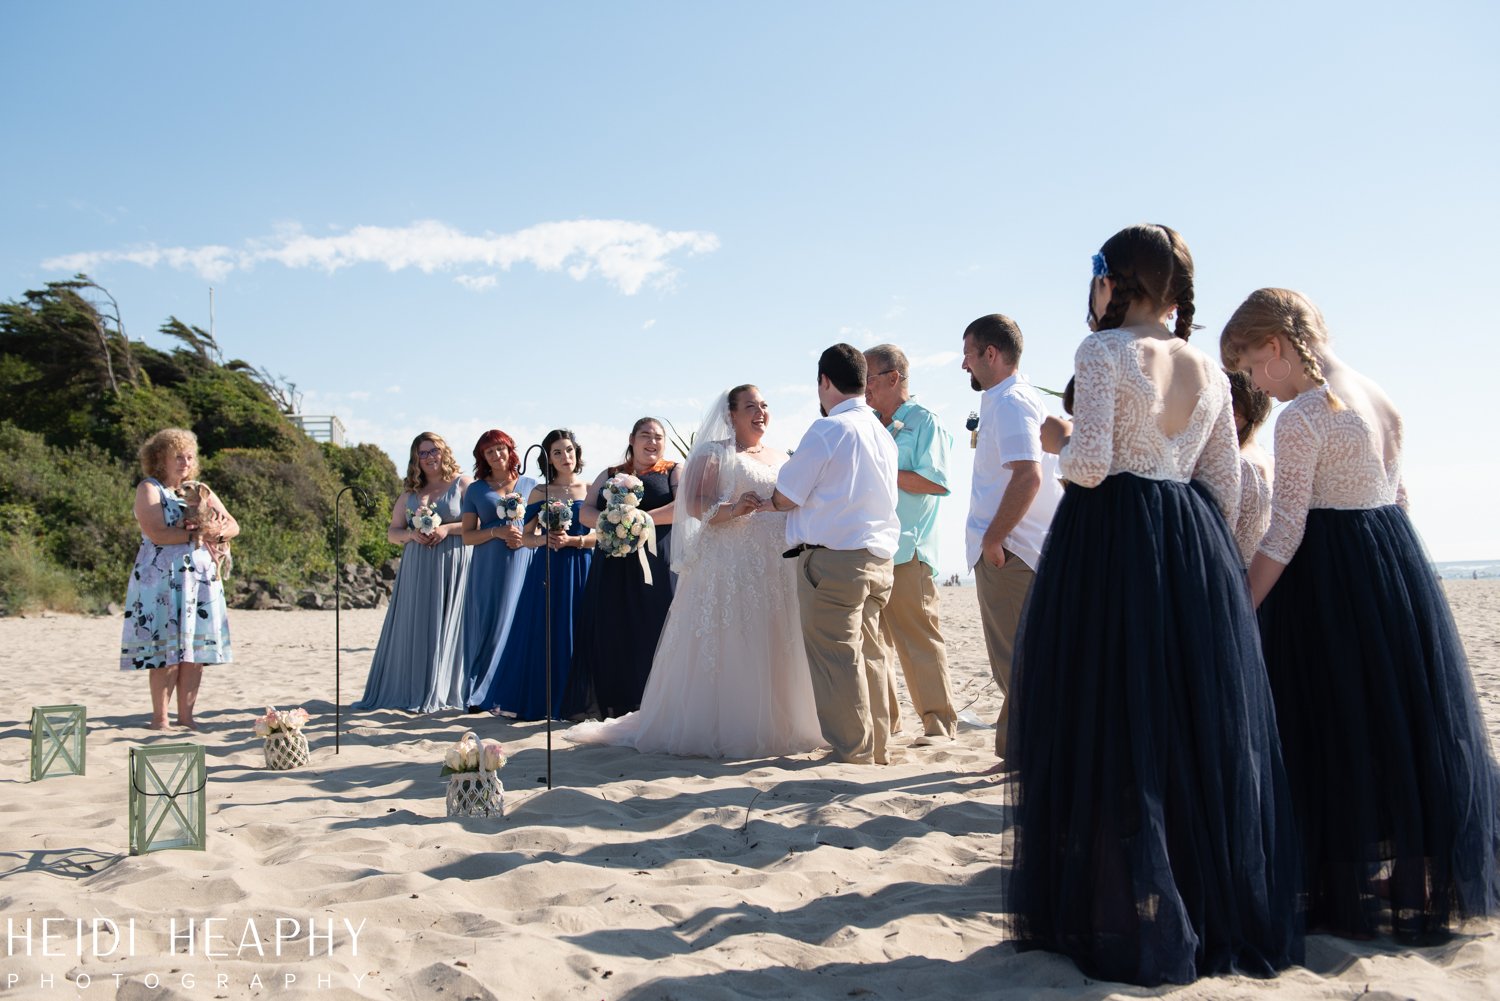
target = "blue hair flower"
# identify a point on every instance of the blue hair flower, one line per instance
(1101, 266)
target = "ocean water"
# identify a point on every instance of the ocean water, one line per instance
(1468, 569)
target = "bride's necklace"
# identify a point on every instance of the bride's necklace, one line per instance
(749, 449)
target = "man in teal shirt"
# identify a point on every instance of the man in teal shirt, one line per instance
(910, 619)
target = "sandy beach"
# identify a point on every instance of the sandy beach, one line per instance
(635, 876)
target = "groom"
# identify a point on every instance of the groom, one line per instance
(840, 487)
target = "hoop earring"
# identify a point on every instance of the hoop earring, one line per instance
(1279, 378)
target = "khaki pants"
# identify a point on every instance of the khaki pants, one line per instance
(910, 627)
(840, 594)
(1002, 593)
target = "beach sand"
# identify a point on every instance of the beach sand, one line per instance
(635, 876)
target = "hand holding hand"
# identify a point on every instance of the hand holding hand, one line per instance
(557, 540)
(511, 536)
(748, 503)
(1055, 433)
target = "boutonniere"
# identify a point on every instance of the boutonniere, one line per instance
(897, 426)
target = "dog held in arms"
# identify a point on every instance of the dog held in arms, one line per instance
(196, 499)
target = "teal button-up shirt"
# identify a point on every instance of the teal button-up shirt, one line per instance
(922, 446)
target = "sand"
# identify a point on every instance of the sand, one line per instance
(635, 876)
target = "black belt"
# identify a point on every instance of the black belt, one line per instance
(798, 549)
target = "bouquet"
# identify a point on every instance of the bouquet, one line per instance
(291, 721)
(556, 515)
(511, 508)
(471, 754)
(622, 529)
(474, 790)
(623, 490)
(425, 519)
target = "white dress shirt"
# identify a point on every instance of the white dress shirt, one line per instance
(843, 480)
(1010, 422)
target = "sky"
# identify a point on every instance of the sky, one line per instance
(471, 215)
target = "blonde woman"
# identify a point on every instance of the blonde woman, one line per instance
(175, 616)
(1396, 792)
(419, 661)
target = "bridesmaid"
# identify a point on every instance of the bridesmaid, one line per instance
(621, 617)
(1251, 408)
(1153, 824)
(418, 664)
(498, 567)
(520, 690)
(1392, 777)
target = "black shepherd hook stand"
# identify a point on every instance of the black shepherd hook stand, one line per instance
(545, 468)
(338, 607)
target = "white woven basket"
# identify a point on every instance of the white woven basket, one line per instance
(475, 794)
(285, 750)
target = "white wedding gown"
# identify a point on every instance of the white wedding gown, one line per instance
(730, 676)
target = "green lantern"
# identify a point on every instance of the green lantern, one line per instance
(57, 744)
(168, 808)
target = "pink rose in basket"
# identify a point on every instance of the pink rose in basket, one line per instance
(492, 755)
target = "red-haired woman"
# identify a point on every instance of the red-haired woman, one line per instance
(493, 510)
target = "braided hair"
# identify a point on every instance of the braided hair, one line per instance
(1150, 263)
(1272, 312)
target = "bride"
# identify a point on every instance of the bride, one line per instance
(730, 676)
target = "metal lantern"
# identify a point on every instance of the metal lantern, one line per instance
(168, 808)
(57, 740)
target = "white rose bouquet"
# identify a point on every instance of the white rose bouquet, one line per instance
(291, 721)
(511, 508)
(623, 490)
(622, 529)
(556, 515)
(425, 519)
(471, 754)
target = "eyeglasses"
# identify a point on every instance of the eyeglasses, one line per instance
(429, 453)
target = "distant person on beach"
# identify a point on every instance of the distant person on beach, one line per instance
(840, 487)
(1251, 408)
(497, 569)
(176, 619)
(621, 612)
(419, 661)
(909, 621)
(1392, 777)
(1013, 494)
(1154, 836)
(554, 585)
(739, 688)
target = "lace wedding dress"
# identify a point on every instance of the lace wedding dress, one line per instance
(730, 677)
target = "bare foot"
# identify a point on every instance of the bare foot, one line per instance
(190, 724)
(997, 769)
(158, 724)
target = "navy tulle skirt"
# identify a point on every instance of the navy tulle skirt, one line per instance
(1392, 775)
(1154, 839)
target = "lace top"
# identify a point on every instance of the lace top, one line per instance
(1255, 507)
(1116, 426)
(1330, 459)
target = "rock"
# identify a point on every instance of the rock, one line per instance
(390, 568)
(311, 599)
(260, 601)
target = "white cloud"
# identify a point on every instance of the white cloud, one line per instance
(628, 255)
(938, 359)
(476, 283)
(649, 324)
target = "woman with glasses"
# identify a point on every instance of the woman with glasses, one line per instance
(419, 661)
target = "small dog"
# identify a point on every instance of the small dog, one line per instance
(195, 501)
